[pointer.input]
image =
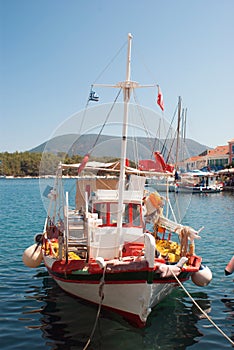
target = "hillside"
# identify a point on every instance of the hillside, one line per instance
(109, 146)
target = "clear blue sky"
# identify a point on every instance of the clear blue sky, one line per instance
(52, 50)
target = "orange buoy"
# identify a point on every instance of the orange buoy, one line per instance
(230, 267)
(156, 200)
(153, 203)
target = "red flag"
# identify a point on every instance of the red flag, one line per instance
(160, 99)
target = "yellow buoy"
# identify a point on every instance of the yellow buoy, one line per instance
(32, 256)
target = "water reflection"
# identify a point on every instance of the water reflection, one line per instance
(66, 322)
(173, 322)
(229, 304)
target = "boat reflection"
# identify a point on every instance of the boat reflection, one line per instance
(66, 322)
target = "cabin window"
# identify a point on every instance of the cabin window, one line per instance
(136, 215)
(100, 209)
(113, 208)
(132, 214)
(108, 212)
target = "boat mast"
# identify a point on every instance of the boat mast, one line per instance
(126, 91)
(127, 87)
(184, 135)
(178, 134)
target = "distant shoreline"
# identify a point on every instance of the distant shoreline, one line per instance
(225, 188)
(11, 177)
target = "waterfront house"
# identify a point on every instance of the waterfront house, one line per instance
(215, 159)
(231, 151)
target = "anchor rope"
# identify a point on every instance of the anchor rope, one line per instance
(202, 311)
(101, 294)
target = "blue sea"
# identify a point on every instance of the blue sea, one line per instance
(36, 314)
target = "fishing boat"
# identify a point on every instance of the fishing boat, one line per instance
(114, 245)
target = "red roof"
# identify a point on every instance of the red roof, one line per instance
(218, 151)
(194, 158)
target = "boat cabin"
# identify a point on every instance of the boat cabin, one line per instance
(105, 236)
(107, 210)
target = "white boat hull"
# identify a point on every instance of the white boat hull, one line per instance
(132, 299)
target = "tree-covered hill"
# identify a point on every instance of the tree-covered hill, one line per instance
(75, 144)
(29, 164)
(23, 164)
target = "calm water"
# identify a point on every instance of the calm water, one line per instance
(36, 314)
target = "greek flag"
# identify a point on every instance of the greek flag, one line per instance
(93, 96)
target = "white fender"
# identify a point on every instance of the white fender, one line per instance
(32, 256)
(202, 277)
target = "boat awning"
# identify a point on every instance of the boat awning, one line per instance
(198, 173)
(226, 171)
(91, 165)
(115, 167)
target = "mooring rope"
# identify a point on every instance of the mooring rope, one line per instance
(202, 311)
(101, 294)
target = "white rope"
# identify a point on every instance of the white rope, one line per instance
(202, 311)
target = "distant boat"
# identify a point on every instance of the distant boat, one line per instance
(100, 249)
(198, 181)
